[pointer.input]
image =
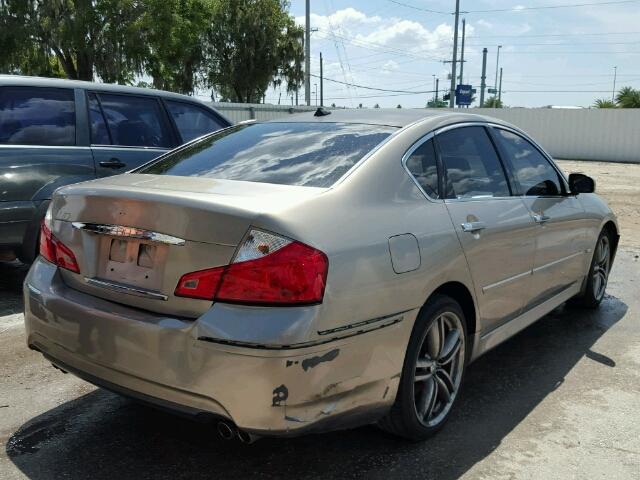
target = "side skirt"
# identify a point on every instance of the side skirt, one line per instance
(495, 337)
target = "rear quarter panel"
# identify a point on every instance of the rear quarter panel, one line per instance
(352, 224)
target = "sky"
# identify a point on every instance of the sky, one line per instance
(551, 54)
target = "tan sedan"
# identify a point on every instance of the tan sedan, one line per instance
(315, 272)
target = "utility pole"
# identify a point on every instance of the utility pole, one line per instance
(452, 89)
(483, 78)
(434, 85)
(437, 87)
(307, 53)
(500, 87)
(495, 84)
(321, 83)
(315, 91)
(462, 54)
(613, 92)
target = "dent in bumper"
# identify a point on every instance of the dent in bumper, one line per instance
(347, 381)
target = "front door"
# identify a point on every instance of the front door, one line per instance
(561, 248)
(495, 229)
(127, 131)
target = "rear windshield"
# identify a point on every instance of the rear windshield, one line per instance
(307, 154)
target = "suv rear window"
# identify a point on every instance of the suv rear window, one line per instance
(37, 116)
(308, 154)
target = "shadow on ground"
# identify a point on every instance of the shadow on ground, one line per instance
(11, 277)
(101, 435)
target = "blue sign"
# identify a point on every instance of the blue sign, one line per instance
(464, 94)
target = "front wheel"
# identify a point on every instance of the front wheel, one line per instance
(598, 275)
(432, 372)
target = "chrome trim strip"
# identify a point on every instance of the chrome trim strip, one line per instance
(55, 147)
(128, 232)
(34, 289)
(560, 260)
(137, 292)
(506, 280)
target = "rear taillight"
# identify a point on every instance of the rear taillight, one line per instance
(267, 270)
(54, 250)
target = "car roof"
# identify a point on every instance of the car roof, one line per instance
(394, 117)
(26, 81)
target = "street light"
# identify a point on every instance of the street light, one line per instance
(495, 84)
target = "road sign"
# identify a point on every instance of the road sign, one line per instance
(492, 90)
(464, 94)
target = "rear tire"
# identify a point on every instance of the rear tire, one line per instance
(432, 373)
(598, 275)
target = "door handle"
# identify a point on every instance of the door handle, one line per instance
(112, 163)
(472, 227)
(540, 218)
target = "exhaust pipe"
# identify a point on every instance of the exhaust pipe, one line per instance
(226, 431)
(246, 437)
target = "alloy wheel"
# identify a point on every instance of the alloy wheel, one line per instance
(601, 266)
(438, 370)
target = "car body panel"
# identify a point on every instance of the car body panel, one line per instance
(290, 370)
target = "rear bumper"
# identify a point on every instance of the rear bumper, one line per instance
(161, 360)
(15, 217)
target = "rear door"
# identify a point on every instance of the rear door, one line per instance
(561, 229)
(494, 227)
(127, 131)
(41, 148)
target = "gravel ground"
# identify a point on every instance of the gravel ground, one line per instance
(559, 400)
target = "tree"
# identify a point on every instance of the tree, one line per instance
(252, 44)
(174, 34)
(376, 106)
(71, 38)
(437, 103)
(493, 102)
(604, 103)
(628, 97)
(399, 106)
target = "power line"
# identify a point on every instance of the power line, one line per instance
(421, 9)
(533, 35)
(548, 7)
(409, 92)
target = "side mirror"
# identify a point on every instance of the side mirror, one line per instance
(579, 183)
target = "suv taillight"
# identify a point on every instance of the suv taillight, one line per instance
(267, 270)
(55, 251)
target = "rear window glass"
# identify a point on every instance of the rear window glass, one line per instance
(37, 116)
(308, 154)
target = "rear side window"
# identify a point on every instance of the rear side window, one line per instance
(422, 164)
(192, 121)
(531, 169)
(135, 121)
(309, 154)
(473, 169)
(99, 132)
(37, 116)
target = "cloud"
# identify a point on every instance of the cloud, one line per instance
(410, 36)
(347, 19)
(390, 66)
(483, 23)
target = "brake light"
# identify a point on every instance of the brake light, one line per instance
(55, 251)
(267, 270)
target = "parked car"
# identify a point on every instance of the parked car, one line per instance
(56, 132)
(315, 272)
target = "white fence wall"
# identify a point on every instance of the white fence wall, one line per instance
(588, 134)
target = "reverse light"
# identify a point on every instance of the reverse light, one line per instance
(267, 270)
(53, 249)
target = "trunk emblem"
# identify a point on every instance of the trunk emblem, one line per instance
(128, 232)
